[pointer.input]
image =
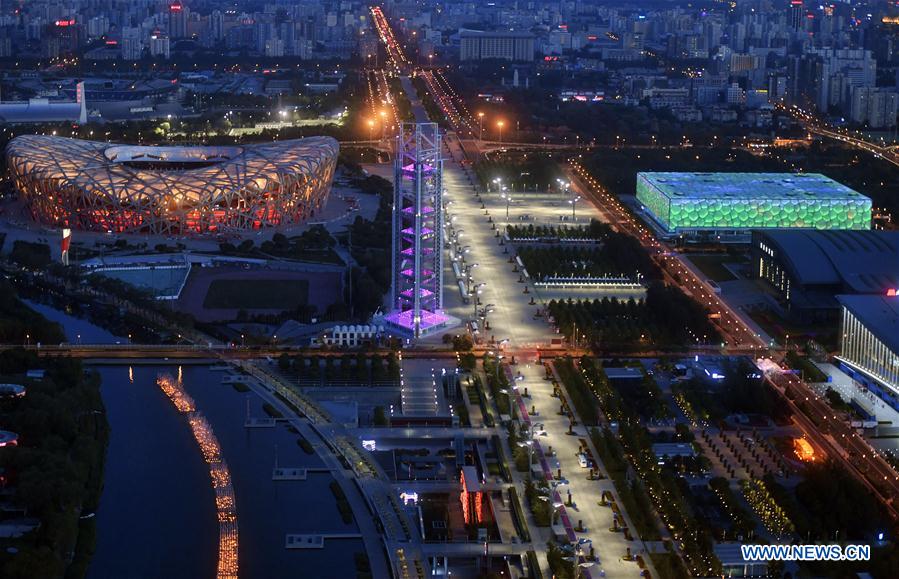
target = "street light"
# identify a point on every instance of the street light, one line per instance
(481, 126)
(573, 205)
(371, 129)
(500, 125)
(508, 198)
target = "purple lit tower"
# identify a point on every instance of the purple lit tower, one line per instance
(417, 293)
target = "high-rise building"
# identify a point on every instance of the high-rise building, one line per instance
(97, 26)
(159, 44)
(839, 71)
(274, 48)
(217, 25)
(478, 45)
(874, 107)
(132, 47)
(797, 12)
(417, 292)
(179, 14)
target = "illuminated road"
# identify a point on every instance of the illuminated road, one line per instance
(200, 352)
(840, 440)
(816, 126)
(394, 51)
(384, 118)
(738, 337)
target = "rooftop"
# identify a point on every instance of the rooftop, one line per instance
(624, 373)
(39, 111)
(467, 33)
(861, 261)
(880, 314)
(767, 186)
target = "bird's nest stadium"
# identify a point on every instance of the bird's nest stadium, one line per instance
(178, 190)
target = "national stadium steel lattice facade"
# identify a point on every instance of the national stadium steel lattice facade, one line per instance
(171, 190)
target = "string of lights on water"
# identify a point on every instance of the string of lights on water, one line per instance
(225, 503)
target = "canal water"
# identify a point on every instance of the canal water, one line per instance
(157, 513)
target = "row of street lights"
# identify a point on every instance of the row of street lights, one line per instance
(499, 125)
(564, 186)
(458, 253)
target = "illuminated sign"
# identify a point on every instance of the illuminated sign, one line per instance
(65, 23)
(892, 292)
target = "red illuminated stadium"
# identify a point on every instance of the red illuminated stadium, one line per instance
(96, 186)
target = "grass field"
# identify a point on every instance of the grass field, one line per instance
(256, 294)
(712, 266)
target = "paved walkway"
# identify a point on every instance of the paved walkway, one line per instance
(610, 547)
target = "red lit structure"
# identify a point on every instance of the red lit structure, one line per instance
(95, 186)
(472, 496)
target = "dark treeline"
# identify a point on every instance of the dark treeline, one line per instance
(665, 319)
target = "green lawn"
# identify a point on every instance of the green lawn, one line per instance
(252, 294)
(712, 266)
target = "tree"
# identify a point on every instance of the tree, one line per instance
(380, 417)
(462, 343)
(30, 255)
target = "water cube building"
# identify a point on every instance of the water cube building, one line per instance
(727, 206)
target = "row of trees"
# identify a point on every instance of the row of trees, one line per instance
(829, 505)
(661, 483)
(665, 319)
(56, 472)
(596, 230)
(403, 105)
(314, 244)
(361, 367)
(430, 105)
(616, 256)
(19, 323)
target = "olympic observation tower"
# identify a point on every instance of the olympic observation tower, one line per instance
(417, 290)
